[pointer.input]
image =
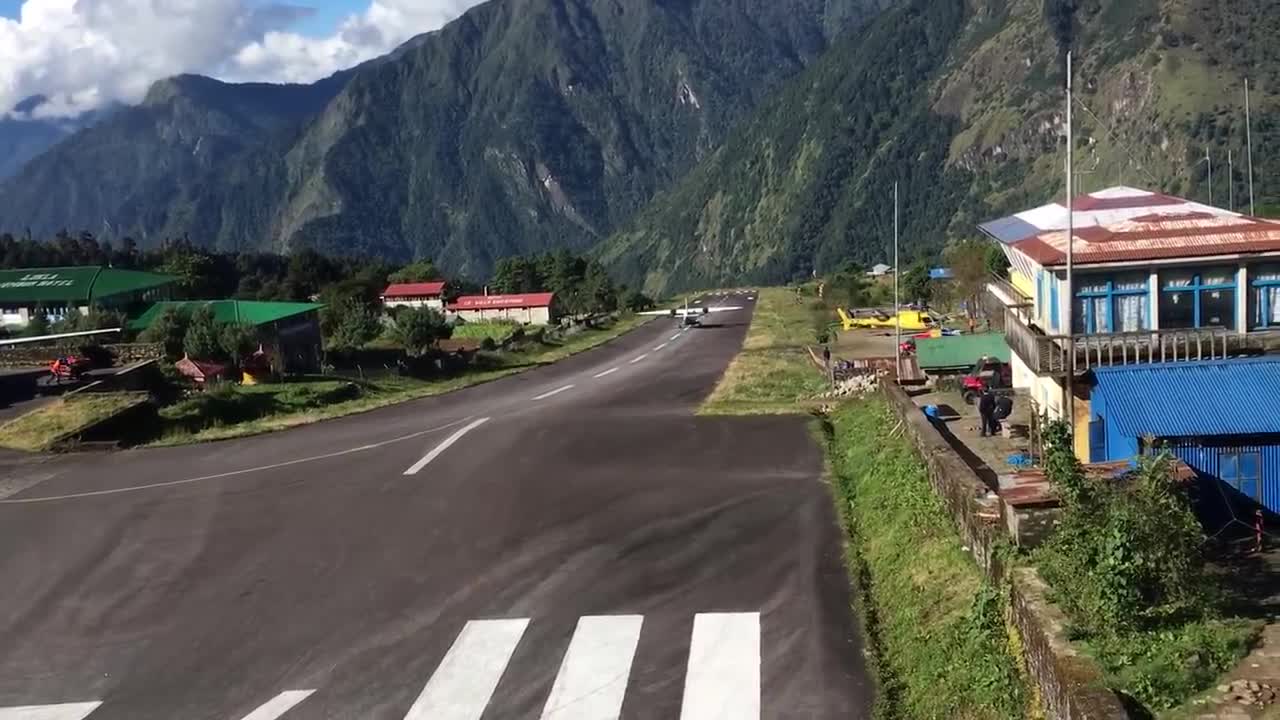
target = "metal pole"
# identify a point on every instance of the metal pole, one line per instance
(1071, 242)
(1231, 183)
(1248, 133)
(897, 306)
(1209, 159)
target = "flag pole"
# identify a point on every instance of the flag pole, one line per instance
(897, 303)
(1071, 243)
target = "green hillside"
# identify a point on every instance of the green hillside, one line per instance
(962, 104)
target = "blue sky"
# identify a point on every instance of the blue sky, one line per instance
(327, 16)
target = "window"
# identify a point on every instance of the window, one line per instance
(1242, 470)
(1264, 297)
(1053, 301)
(1198, 298)
(1112, 304)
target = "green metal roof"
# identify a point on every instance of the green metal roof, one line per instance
(960, 351)
(230, 311)
(64, 285)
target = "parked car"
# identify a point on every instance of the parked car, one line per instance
(988, 372)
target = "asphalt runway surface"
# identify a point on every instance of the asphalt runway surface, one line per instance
(568, 543)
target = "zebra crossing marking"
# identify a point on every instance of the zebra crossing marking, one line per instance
(461, 687)
(279, 705)
(593, 677)
(723, 680)
(65, 711)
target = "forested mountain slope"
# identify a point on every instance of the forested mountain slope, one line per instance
(961, 103)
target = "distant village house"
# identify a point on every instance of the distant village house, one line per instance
(414, 295)
(529, 308)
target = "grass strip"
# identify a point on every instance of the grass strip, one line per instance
(41, 429)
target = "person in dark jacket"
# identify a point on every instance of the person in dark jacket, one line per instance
(987, 409)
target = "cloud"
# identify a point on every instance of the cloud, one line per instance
(82, 54)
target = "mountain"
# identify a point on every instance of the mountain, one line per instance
(523, 125)
(24, 136)
(961, 103)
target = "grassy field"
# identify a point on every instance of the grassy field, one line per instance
(238, 411)
(41, 429)
(481, 330)
(936, 628)
(774, 373)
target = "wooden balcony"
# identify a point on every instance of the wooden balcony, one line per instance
(1051, 354)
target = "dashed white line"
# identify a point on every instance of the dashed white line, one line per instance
(593, 677)
(232, 473)
(663, 345)
(460, 688)
(553, 393)
(723, 679)
(675, 337)
(638, 359)
(610, 371)
(435, 453)
(279, 705)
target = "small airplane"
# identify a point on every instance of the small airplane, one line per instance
(911, 319)
(691, 316)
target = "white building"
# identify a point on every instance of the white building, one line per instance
(415, 295)
(879, 269)
(1155, 279)
(529, 308)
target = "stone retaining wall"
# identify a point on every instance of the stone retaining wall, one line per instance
(1069, 684)
(20, 356)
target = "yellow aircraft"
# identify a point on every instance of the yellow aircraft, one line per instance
(911, 319)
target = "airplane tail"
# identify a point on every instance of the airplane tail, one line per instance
(845, 320)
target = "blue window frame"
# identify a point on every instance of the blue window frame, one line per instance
(1242, 470)
(1266, 298)
(1197, 299)
(1113, 306)
(1053, 302)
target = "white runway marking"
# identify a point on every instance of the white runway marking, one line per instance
(663, 345)
(68, 711)
(279, 705)
(638, 359)
(553, 393)
(723, 681)
(444, 445)
(676, 336)
(593, 676)
(610, 371)
(233, 473)
(460, 688)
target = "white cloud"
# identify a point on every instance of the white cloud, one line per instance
(82, 54)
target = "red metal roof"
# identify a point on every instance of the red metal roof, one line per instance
(423, 289)
(1091, 202)
(495, 302)
(1156, 238)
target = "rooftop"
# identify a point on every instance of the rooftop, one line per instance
(1105, 207)
(74, 284)
(485, 302)
(1156, 237)
(231, 311)
(423, 289)
(1190, 399)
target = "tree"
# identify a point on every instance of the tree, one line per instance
(203, 339)
(997, 262)
(418, 329)
(916, 285)
(417, 271)
(238, 341)
(353, 325)
(193, 269)
(967, 260)
(169, 328)
(38, 324)
(636, 301)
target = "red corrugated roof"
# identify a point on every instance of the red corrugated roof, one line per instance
(486, 302)
(1149, 238)
(423, 289)
(1090, 202)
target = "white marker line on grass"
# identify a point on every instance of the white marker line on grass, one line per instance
(610, 371)
(232, 473)
(279, 705)
(638, 359)
(553, 393)
(444, 445)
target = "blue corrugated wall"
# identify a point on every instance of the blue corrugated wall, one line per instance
(1204, 456)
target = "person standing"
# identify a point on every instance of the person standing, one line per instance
(987, 410)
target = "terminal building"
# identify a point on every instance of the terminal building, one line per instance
(59, 290)
(529, 308)
(414, 295)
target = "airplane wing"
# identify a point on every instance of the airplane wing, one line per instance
(59, 336)
(686, 312)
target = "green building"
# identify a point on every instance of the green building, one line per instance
(57, 291)
(289, 330)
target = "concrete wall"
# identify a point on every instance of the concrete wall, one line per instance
(1070, 685)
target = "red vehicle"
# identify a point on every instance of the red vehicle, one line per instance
(988, 372)
(70, 367)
